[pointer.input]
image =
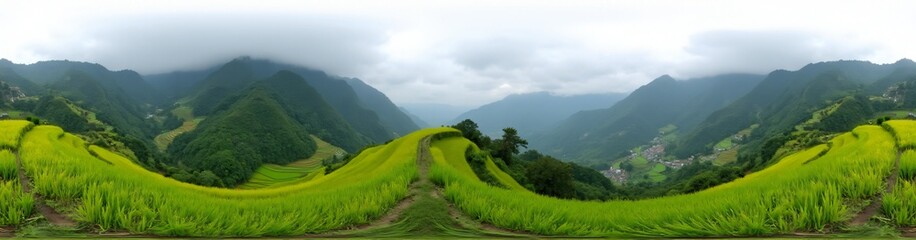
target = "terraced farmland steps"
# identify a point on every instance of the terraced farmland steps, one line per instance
(52, 216)
(872, 209)
(425, 212)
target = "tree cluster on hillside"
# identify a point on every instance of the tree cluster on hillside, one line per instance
(234, 143)
(537, 172)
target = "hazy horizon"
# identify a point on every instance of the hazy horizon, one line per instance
(465, 53)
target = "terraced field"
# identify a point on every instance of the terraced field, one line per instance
(190, 123)
(109, 192)
(806, 192)
(421, 185)
(272, 175)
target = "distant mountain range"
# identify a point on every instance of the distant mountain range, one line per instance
(196, 112)
(606, 134)
(235, 104)
(533, 113)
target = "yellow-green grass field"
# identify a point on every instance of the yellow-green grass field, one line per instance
(451, 155)
(811, 190)
(15, 205)
(12, 132)
(900, 205)
(806, 191)
(116, 194)
(904, 131)
(273, 175)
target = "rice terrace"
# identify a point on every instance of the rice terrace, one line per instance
(424, 177)
(448, 119)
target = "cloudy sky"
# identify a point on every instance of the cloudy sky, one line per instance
(465, 52)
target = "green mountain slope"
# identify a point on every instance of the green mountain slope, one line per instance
(785, 99)
(254, 130)
(234, 76)
(389, 114)
(129, 82)
(608, 133)
(304, 104)
(14, 79)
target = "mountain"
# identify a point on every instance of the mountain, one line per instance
(112, 106)
(534, 112)
(416, 119)
(13, 79)
(45, 72)
(436, 114)
(389, 114)
(219, 85)
(175, 85)
(243, 71)
(784, 99)
(609, 133)
(270, 122)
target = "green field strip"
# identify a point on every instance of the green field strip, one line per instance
(123, 195)
(273, 175)
(795, 194)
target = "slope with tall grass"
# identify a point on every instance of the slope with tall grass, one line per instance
(806, 191)
(110, 192)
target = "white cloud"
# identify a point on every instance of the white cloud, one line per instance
(465, 52)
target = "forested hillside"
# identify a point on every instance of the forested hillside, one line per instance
(606, 134)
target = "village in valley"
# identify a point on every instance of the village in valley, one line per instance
(650, 162)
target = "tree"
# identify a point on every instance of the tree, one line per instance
(509, 145)
(469, 130)
(551, 177)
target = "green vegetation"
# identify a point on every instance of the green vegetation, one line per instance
(188, 123)
(112, 193)
(656, 173)
(724, 144)
(232, 145)
(8, 168)
(272, 175)
(905, 131)
(726, 157)
(899, 206)
(16, 205)
(808, 195)
(594, 136)
(13, 131)
(813, 190)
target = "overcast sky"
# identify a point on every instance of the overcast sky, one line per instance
(466, 52)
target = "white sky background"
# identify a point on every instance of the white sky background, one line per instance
(466, 52)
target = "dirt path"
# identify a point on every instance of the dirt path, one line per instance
(53, 217)
(872, 209)
(412, 193)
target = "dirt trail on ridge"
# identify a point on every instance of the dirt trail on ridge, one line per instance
(53, 217)
(872, 209)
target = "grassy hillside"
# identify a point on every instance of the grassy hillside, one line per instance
(787, 98)
(109, 192)
(809, 195)
(597, 136)
(273, 175)
(188, 123)
(253, 131)
(821, 189)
